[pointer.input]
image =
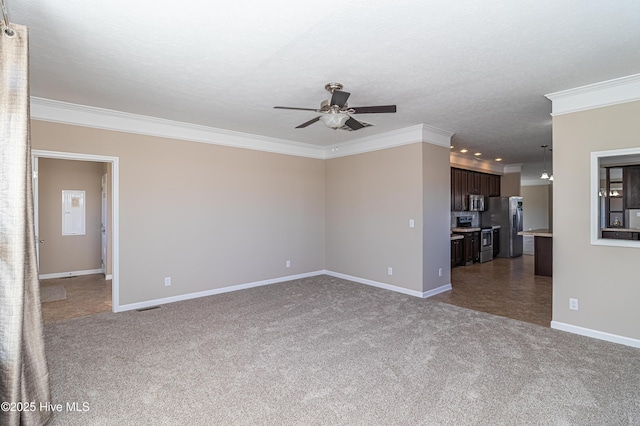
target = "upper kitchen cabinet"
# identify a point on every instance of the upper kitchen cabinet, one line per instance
(631, 178)
(484, 184)
(614, 199)
(465, 182)
(494, 185)
(473, 183)
(459, 190)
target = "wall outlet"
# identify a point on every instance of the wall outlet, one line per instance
(412, 223)
(573, 304)
(167, 281)
(390, 270)
(288, 264)
(439, 272)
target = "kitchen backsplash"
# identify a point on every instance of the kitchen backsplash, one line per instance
(475, 218)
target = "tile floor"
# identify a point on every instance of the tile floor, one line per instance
(86, 295)
(505, 287)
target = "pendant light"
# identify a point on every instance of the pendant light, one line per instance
(544, 174)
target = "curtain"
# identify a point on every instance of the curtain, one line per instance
(24, 383)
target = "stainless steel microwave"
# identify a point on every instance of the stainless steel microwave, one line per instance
(476, 203)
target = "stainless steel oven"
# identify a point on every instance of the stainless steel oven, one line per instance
(486, 244)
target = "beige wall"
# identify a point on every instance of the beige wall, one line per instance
(550, 201)
(70, 253)
(603, 279)
(370, 199)
(436, 191)
(535, 213)
(535, 207)
(510, 184)
(207, 216)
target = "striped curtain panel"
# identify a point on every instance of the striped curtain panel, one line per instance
(24, 383)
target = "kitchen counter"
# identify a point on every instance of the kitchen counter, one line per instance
(543, 251)
(465, 230)
(457, 237)
(537, 233)
(621, 229)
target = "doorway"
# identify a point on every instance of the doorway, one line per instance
(110, 190)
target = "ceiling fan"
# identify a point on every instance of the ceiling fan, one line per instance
(336, 112)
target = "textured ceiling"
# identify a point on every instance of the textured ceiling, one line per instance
(478, 69)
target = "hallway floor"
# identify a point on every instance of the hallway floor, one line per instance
(86, 295)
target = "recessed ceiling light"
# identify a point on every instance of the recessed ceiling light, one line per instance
(498, 159)
(477, 154)
(463, 150)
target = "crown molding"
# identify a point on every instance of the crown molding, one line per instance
(100, 118)
(474, 163)
(87, 116)
(394, 138)
(513, 168)
(598, 95)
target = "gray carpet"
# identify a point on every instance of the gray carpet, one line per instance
(52, 293)
(327, 351)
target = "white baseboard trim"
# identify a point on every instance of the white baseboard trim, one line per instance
(108, 277)
(437, 290)
(390, 287)
(165, 300)
(595, 334)
(69, 274)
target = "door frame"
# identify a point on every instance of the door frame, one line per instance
(104, 225)
(115, 225)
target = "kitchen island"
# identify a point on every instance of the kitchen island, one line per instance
(543, 251)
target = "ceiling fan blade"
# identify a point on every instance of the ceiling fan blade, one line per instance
(353, 124)
(299, 109)
(373, 109)
(339, 98)
(308, 123)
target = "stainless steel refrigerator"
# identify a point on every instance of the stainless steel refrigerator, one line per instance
(506, 212)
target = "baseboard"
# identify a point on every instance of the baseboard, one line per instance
(69, 274)
(108, 277)
(390, 287)
(627, 341)
(435, 291)
(188, 296)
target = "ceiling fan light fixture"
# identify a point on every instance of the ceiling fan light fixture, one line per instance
(334, 120)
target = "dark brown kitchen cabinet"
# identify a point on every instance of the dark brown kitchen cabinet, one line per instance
(631, 185)
(615, 197)
(465, 182)
(484, 184)
(620, 235)
(476, 246)
(457, 251)
(494, 186)
(471, 253)
(473, 182)
(458, 190)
